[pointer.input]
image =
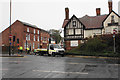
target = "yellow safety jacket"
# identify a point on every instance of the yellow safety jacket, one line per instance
(21, 48)
(28, 49)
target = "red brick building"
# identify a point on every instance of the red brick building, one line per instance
(28, 35)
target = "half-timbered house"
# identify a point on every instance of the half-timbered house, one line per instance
(77, 29)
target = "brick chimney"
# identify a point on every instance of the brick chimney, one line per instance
(110, 5)
(97, 11)
(66, 13)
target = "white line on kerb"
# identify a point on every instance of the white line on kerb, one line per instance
(60, 72)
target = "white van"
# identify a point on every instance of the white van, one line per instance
(52, 50)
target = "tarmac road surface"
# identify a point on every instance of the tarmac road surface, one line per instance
(31, 66)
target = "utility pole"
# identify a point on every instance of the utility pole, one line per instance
(10, 36)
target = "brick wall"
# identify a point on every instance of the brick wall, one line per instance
(44, 41)
(19, 31)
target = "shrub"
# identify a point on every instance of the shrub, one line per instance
(100, 44)
(95, 45)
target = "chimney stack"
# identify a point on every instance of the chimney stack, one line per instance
(98, 11)
(110, 5)
(66, 13)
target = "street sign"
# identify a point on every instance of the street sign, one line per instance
(114, 31)
(10, 36)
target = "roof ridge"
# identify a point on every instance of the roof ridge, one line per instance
(93, 16)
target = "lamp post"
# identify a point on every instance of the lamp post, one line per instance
(10, 36)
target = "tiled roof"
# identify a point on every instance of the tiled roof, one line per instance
(92, 21)
(34, 26)
(27, 24)
(64, 23)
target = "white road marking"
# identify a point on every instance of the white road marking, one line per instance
(15, 61)
(73, 63)
(3, 69)
(62, 72)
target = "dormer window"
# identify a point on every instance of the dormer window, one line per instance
(74, 23)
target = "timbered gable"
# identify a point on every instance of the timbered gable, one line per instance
(74, 29)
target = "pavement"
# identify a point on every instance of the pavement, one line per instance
(12, 55)
(77, 56)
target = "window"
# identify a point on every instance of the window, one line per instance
(29, 36)
(38, 38)
(38, 31)
(112, 19)
(34, 37)
(77, 31)
(26, 37)
(33, 45)
(27, 29)
(74, 23)
(71, 32)
(25, 45)
(41, 38)
(38, 45)
(34, 31)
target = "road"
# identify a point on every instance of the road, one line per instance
(32, 66)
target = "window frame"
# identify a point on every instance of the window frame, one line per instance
(28, 30)
(34, 31)
(74, 23)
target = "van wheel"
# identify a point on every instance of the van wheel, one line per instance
(41, 53)
(62, 55)
(49, 55)
(53, 54)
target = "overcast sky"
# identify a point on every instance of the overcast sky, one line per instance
(49, 14)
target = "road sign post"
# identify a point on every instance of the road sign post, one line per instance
(114, 32)
(10, 36)
(114, 42)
